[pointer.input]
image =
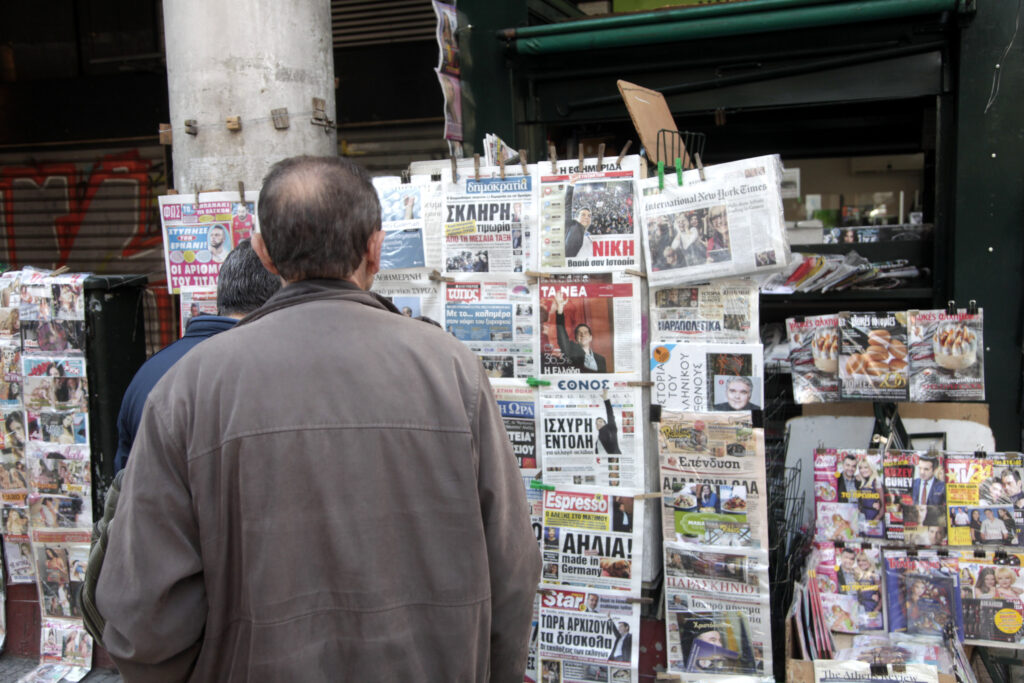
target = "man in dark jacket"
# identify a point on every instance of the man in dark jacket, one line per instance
(242, 287)
(607, 430)
(325, 492)
(579, 352)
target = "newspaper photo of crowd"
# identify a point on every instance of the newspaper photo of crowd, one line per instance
(689, 238)
(610, 204)
(468, 262)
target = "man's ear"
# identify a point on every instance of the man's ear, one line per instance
(260, 247)
(373, 249)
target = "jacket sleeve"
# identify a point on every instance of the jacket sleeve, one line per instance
(512, 552)
(151, 590)
(568, 348)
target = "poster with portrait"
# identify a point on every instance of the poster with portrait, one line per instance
(198, 237)
(704, 378)
(403, 220)
(590, 326)
(729, 223)
(496, 318)
(21, 564)
(588, 634)
(487, 220)
(588, 216)
(591, 437)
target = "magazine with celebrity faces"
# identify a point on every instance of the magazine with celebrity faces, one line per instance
(915, 497)
(588, 217)
(992, 588)
(58, 469)
(495, 317)
(731, 223)
(590, 325)
(592, 438)
(703, 378)
(60, 567)
(62, 641)
(593, 537)
(21, 565)
(984, 499)
(588, 634)
(487, 221)
(723, 311)
(854, 478)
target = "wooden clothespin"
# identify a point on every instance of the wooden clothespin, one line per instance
(579, 150)
(476, 166)
(634, 271)
(600, 157)
(638, 383)
(241, 191)
(436, 276)
(647, 496)
(700, 166)
(625, 149)
(406, 176)
(196, 188)
(59, 271)
(639, 601)
(501, 162)
(553, 157)
(522, 160)
(535, 273)
(455, 169)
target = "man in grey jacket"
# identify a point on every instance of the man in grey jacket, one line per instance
(325, 492)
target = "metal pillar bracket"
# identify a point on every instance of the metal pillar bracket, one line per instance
(234, 123)
(320, 115)
(280, 117)
(190, 127)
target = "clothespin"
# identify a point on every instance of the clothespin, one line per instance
(545, 591)
(700, 166)
(535, 273)
(647, 496)
(951, 307)
(634, 271)
(406, 176)
(553, 157)
(579, 150)
(639, 601)
(435, 276)
(679, 171)
(522, 160)
(190, 127)
(666, 676)
(534, 382)
(600, 157)
(59, 271)
(196, 188)
(972, 307)
(625, 148)
(435, 177)
(476, 166)
(501, 162)
(639, 384)
(455, 169)
(534, 484)
(241, 191)
(661, 175)
(878, 669)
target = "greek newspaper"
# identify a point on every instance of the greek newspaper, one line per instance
(487, 223)
(495, 318)
(725, 311)
(707, 377)
(412, 292)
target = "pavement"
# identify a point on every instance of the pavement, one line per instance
(12, 668)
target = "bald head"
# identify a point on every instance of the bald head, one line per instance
(317, 215)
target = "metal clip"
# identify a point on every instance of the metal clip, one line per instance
(320, 115)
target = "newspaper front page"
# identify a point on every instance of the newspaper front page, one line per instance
(729, 224)
(403, 220)
(724, 311)
(588, 635)
(197, 238)
(592, 538)
(833, 671)
(196, 301)
(703, 378)
(487, 222)
(412, 292)
(518, 405)
(588, 218)
(592, 437)
(590, 325)
(496, 318)
(711, 500)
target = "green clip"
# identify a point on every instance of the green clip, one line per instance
(534, 382)
(661, 175)
(534, 484)
(679, 171)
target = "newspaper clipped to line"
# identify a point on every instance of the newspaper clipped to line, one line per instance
(412, 292)
(591, 438)
(494, 317)
(487, 222)
(197, 238)
(729, 224)
(725, 311)
(711, 500)
(707, 377)
(588, 634)
(590, 325)
(518, 405)
(588, 218)
(196, 301)
(403, 221)
(594, 538)
(717, 615)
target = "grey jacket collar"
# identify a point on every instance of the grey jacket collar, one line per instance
(304, 291)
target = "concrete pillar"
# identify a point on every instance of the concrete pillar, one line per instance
(244, 58)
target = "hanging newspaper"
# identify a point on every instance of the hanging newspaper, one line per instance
(922, 593)
(588, 219)
(834, 671)
(985, 503)
(592, 439)
(447, 24)
(947, 356)
(530, 673)
(196, 301)
(403, 221)
(993, 590)
(898, 648)
(451, 88)
(729, 224)
(873, 358)
(701, 378)
(412, 292)
(814, 358)
(717, 615)
(915, 498)
(535, 503)
(849, 481)
(487, 221)
(706, 441)
(518, 405)
(588, 635)
(495, 318)
(590, 324)
(725, 311)
(592, 538)
(716, 500)
(197, 239)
